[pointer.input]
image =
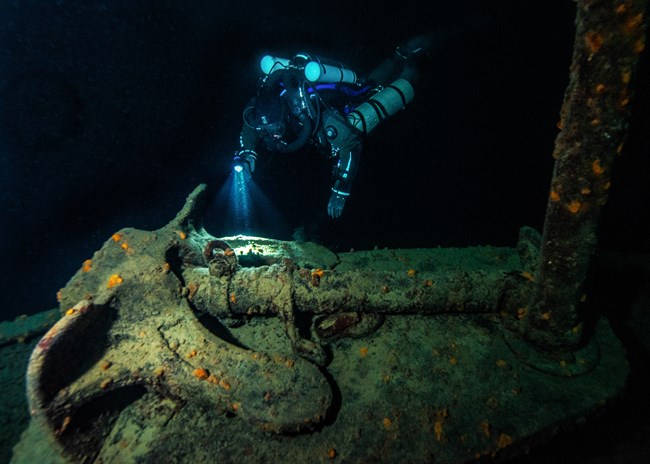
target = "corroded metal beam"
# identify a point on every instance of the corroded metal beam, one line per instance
(259, 291)
(594, 119)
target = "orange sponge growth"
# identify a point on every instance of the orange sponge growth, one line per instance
(114, 280)
(200, 373)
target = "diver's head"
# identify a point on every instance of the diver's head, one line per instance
(268, 116)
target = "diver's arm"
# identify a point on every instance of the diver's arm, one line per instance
(248, 141)
(344, 173)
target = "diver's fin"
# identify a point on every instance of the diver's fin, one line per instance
(416, 46)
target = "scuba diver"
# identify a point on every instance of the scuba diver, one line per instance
(310, 100)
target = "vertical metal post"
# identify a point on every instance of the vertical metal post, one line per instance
(610, 36)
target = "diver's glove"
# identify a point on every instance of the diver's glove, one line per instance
(336, 204)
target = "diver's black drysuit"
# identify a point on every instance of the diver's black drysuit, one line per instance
(333, 116)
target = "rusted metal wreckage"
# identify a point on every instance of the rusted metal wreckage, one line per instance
(166, 351)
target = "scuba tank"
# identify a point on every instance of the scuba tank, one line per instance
(368, 114)
(316, 69)
(387, 102)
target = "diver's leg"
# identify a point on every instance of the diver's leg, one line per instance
(404, 62)
(387, 71)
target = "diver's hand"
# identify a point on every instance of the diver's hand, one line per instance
(248, 169)
(249, 164)
(335, 205)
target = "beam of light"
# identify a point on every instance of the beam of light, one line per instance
(240, 200)
(241, 208)
(269, 221)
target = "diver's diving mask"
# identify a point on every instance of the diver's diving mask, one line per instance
(268, 117)
(275, 129)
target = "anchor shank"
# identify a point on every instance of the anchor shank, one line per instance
(258, 291)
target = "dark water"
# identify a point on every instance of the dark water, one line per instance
(112, 112)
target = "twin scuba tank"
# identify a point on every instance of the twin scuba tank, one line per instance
(316, 69)
(368, 114)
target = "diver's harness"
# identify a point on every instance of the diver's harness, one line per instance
(299, 81)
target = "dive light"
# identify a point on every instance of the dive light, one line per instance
(237, 164)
